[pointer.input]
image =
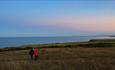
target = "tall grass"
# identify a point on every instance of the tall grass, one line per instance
(61, 59)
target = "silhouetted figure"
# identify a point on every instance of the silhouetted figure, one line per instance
(31, 53)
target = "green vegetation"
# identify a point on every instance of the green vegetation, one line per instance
(92, 55)
(103, 40)
(92, 44)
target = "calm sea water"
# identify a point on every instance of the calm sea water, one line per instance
(18, 41)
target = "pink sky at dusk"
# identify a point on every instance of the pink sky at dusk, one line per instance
(57, 18)
(82, 23)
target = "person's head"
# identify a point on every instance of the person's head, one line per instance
(32, 48)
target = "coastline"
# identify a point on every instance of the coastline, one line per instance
(93, 43)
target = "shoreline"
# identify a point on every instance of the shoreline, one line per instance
(94, 43)
(22, 41)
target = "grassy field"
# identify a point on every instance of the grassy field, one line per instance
(62, 58)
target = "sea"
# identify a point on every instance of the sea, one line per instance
(20, 41)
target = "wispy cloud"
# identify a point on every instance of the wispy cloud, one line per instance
(81, 23)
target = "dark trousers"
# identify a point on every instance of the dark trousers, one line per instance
(36, 58)
(31, 56)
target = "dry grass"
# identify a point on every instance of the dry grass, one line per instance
(61, 59)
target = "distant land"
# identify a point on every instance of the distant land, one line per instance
(112, 35)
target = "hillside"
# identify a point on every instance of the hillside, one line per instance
(66, 56)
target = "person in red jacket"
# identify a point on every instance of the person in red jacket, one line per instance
(36, 54)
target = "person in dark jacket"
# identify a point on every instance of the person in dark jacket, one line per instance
(31, 53)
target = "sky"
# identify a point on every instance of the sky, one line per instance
(20, 18)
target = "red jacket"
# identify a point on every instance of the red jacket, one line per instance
(36, 52)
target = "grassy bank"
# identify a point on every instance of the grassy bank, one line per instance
(61, 59)
(92, 44)
(92, 55)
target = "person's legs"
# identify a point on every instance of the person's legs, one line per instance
(32, 58)
(37, 60)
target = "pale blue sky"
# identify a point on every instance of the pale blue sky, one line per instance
(56, 18)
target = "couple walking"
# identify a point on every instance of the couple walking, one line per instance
(34, 54)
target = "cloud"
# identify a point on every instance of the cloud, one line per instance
(81, 23)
